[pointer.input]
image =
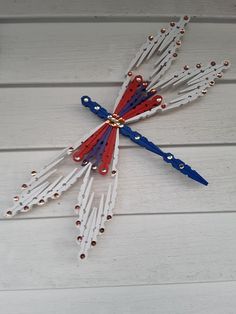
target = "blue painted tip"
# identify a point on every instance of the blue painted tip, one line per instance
(195, 176)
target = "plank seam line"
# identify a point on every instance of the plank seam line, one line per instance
(39, 149)
(124, 286)
(113, 19)
(80, 84)
(124, 215)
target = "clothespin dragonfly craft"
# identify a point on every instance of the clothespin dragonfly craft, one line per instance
(96, 154)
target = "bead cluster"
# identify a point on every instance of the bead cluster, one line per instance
(115, 120)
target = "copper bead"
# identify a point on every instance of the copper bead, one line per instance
(56, 195)
(41, 202)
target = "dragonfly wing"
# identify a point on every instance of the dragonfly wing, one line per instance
(162, 47)
(96, 194)
(91, 218)
(50, 182)
(196, 81)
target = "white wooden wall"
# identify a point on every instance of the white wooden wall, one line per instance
(170, 249)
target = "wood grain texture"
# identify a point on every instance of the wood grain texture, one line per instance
(134, 250)
(78, 52)
(146, 184)
(95, 8)
(210, 298)
(28, 116)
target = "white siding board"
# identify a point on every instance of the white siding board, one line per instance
(69, 8)
(210, 298)
(134, 250)
(77, 52)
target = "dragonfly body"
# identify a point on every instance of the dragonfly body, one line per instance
(142, 141)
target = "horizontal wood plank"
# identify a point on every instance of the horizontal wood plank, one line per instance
(134, 250)
(98, 52)
(54, 117)
(27, 8)
(210, 298)
(146, 184)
